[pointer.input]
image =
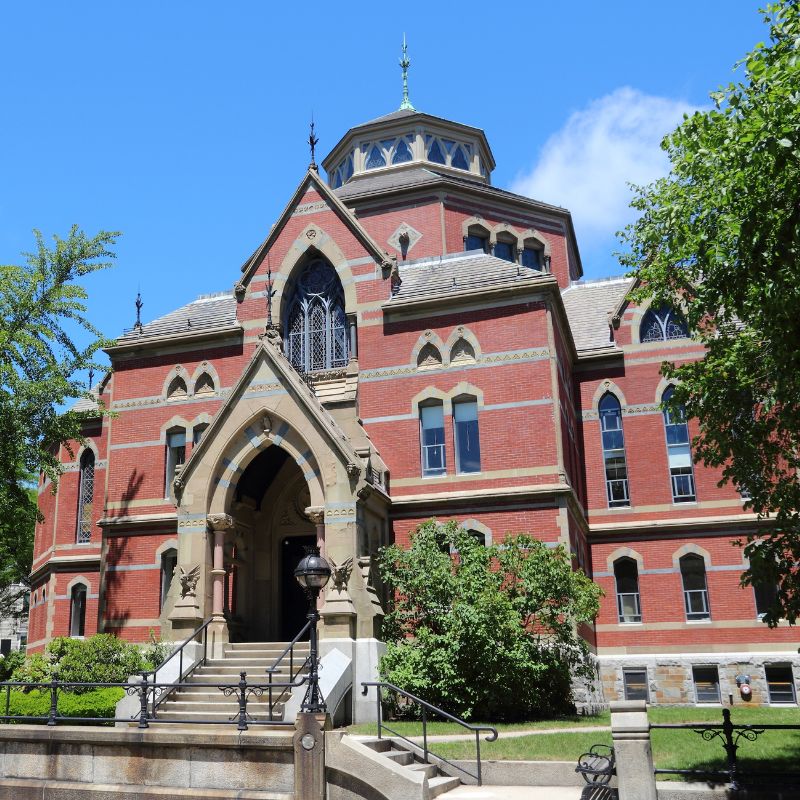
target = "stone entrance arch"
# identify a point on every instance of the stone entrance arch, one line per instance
(219, 535)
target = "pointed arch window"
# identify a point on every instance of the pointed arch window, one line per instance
(695, 589)
(85, 498)
(614, 462)
(77, 610)
(626, 576)
(662, 324)
(402, 153)
(316, 326)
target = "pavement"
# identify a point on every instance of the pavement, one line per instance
(514, 793)
(470, 737)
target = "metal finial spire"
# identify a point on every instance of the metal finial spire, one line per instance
(405, 64)
(91, 377)
(139, 304)
(312, 143)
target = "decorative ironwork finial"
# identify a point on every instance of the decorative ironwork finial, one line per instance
(91, 377)
(312, 143)
(139, 304)
(270, 292)
(405, 63)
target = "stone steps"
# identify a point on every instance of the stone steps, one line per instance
(395, 751)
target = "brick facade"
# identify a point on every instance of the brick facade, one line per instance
(536, 349)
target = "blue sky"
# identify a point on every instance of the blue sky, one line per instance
(184, 124)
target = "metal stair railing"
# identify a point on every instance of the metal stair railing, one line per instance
(426, 708)
(289, 650)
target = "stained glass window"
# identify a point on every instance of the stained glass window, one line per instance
(316, 326)
(435, 153)
(85, 498)
(459, 159)
(661, 324)
(402, 153)
(375, 158)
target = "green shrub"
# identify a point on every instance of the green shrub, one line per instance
(102, 658)
(490, 633)
(37, 668)
(11, 662)
(36, 703)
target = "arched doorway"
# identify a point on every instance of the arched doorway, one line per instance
(263, 601)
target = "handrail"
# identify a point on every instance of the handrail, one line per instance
(178, 651)
(426, 706)
(290, 650)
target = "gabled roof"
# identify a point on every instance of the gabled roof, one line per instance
(207, 312)
(301, 394)
(313, 180)
(589, 306)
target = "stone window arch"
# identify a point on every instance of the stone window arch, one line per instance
(462, 346)
(204, 385)
(534, 251)
(475, 528)
(315, 327)
(662, 324)
(612, 439)
(177, 389)
(429, 356)
(476, 234)
(626, 581)
(77, 609)
(167, 559)
(695, 587)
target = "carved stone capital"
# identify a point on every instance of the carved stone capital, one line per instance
(316, 514)
(239, 292)
(353, 470)
(219, 522)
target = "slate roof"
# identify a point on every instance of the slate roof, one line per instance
(432, 277)
(420, 176)
(86, 403)
(588, 305)
(208, 312)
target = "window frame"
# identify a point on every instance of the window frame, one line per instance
(604, 414)
(697, 668)
(791, 683)
(619, 595)
(462, 402)
(171, 462)
(166, 578)
(442, 446)
(626, 671)
(76, 590)
(677, 472)
(664, 316)
(689, 594)
(83, 523)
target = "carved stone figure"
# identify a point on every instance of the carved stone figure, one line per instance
(340, 574)
(189, 581)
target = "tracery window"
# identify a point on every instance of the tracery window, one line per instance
(613, 441)
(85, 498)
(316, 326)
(662, 324)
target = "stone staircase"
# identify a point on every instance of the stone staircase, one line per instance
(399, 753)
(198, 702)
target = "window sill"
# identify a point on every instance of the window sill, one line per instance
(469, 473)
(698, 621)
(434, 476)
(628, 624)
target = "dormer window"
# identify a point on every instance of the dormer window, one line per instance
(531, 257)
(476, 241)
(505, 250)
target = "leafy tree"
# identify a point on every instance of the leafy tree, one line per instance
(720, 236)
(491, 632)
(42, 311)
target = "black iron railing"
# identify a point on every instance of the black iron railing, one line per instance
(158, 697)
(241, 692)
(730, 735)
(426, 709)
(289, 651)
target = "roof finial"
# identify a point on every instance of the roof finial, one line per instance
(270, 293)
(91, 378)
(312, 143)
(405, 64)
(139, 304)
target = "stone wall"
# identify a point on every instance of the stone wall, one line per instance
(670, 681)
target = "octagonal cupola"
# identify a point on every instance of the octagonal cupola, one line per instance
(408, 139)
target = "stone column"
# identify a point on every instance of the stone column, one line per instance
(317, 515)
(218, 629)
(630, 732)
(309, 756)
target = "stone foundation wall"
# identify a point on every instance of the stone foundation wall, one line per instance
(670, 681)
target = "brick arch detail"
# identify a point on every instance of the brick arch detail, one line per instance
(608, 387)
(688, 549)
(204, 367)
(476, 525)
(624, 552)
(461, 332)
(428, 337)
(178, 371)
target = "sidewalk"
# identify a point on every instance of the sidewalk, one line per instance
(470, 737)
(514, 793)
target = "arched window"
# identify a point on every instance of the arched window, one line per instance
(177, 389)
(679, 452)
(204, 385)
(506, 248)
(616, 468)
(429, 356)
(198, 431)
(466, 435)
(316, 326)
(695, 591)
(77, 610)
(175, 457)
(85, 498)
(431, 419)
(626, 574)
(661, 324)
(169, 561)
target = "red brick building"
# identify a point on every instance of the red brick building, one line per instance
(432, 351)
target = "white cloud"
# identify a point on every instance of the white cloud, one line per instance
(587, 165)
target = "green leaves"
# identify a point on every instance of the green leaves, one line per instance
(42, 313)
(729, 215)
(485, 632)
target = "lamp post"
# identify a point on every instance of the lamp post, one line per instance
(313, 573)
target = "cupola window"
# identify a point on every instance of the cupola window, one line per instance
(435, 153)
(402, 153)
(375, 158)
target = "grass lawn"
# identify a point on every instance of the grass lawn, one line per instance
(680, 749)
